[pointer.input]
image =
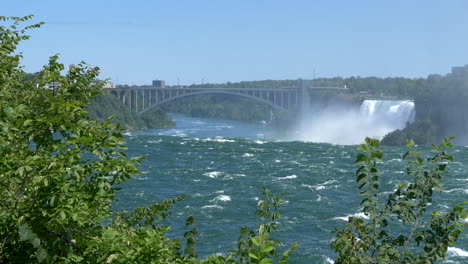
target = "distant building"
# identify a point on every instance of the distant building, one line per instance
(109, 85)
(159, 83)
(460, 71)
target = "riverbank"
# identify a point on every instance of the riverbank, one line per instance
(107, 105)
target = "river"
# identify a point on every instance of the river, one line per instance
(222, 165)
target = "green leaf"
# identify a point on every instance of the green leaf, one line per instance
(266, 247)
(27, 122)
(396, 208)
(110, 258)
(253, 255)
(285, 257)
(366, 201)
(377, 155)
(362, 158)
(25, 232)
(20, 171)
(244, 230)
(364, 185)
(41, 254)
(257, 240)
(374, 143)
(362, 177)
(362, 169)
(189, 221)
(365, 193)
(364, 148)
(36, 242)
(82, 123)
(402, 185)
(266, 261)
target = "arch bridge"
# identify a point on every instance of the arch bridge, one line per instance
(287, 99)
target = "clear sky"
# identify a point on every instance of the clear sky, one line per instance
(134, 42)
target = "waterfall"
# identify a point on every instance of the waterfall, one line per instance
(394, 114)
(344, 124)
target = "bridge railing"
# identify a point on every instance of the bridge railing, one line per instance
(143, 99)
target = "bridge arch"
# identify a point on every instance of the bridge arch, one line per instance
(214, 91)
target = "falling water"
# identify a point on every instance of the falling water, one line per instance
(338, 124)
(394, 114)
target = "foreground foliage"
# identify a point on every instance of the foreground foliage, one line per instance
(60, 169)
(398, 230)
(257, 246)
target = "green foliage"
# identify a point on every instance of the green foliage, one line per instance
(60, 169)
(399, 87)
(414, 237)
(439, 100)
(191, 237)
(220, 106)
(421, 131)
(106, 106)
(257, 246)
(137, 237)
(444, 104)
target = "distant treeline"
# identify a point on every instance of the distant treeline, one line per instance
(220, 106)
(244, 109)
(441, 111)
(402, 87)
(441, 104)
(107, 105)
(395, 86)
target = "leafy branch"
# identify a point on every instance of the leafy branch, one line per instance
(371, 241)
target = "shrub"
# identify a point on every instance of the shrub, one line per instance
(399, 230)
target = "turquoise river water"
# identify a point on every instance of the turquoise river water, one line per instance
(221, 166)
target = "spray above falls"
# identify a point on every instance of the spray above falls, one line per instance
(347, 125)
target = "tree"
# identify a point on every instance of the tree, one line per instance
(59, 170)
(398, 230)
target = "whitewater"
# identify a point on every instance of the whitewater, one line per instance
(222, 165)
(345, 125)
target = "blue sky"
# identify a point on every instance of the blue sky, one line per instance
(134, 42)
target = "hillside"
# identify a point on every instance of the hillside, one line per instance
(107, 105)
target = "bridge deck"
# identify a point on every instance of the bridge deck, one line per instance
(143, 99)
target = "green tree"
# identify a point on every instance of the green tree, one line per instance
(398, 230)
(59, 170)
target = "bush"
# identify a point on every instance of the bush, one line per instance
(60, 169)
(414, 237)
(423, 132)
